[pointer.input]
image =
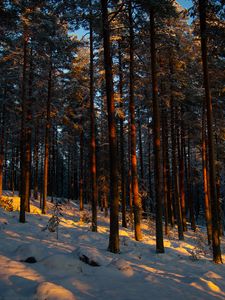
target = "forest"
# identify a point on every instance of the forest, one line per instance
(117, 108)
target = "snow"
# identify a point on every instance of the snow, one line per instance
(51, 291)
(78, 266)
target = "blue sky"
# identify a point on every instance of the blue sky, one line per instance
(185, 3)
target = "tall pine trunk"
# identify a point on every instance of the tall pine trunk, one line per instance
(181, 174)
(122, 157)
(166, 193)
(2, 132)
(203, 4)
(47, 133)
(190, 189)
(36, 159)
(141, 160)
(135, 189)
(94, 193)
(208, 217)
(156, 133)
(114, 196)
(23, 137)
(81, 171)
(174, 163)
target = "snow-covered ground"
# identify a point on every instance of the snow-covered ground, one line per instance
(60, 272)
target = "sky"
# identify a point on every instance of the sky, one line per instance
(185, 3)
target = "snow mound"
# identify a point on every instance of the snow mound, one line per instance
(62, 262)
(91, 256)
(3, 221)
(30, 250)
(90, 237)
(51, 291)
(123, 266)
(212, 275)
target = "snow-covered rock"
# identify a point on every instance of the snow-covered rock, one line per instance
(30, 250)
(123, 266)
(91, 256)
(62, 262)
(51, 291)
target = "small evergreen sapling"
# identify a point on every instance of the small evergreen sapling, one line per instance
(53, 222)
(6, 204)
(201, 248)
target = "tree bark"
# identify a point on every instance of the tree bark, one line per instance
(174, 161)
(150, 192)
(94, 193)
(156, 133)
(180, 137)
(122, 157)
(114, 196)
(203, 4)
(81, 173)
(23, 139)
(166, 192)
(208, 217)
(2, 147)
(47, 133)
(36, 160)
(135, 188)
(190, 190)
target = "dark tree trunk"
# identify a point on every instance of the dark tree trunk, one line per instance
(181, 174)
(208, 217)
(36, 160)
(190, 189)
(156, 133)
(203, 4)
(94, 193)
(168, 175)
(47, 133)
(135, 189)
(166, 192)
(174, 164)
(150, 193)
(114, 196)
(28, 136)
(23, 138)
(2, 132)
(129, 183)
(141, 160)
(81, 173)
(122, 157)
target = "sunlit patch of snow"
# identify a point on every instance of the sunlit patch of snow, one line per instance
(136, 273)
(51, 291)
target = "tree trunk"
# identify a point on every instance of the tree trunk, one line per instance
(36, 160)
(150, 193)
(122, 157)
(166, 192)
(114, 196)
(174, 164)
(208, 217)
(2, 147)
(156, 133)
(203, 4)
(94, 193)
(190, 189)
(81, 173)
(181, 174)
(23, 142)
(47, 132)
(141, 160)
(135, 189)
(129, 183)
